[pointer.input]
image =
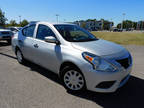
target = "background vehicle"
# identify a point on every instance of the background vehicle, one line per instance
(117, 30)
(6, 35)
(14, 29)
(79, 58)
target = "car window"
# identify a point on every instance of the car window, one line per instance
(24, 31)
(29, 31)
(44, 31)
(73, 33)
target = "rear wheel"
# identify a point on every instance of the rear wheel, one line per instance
(20, 58)
(73, 80)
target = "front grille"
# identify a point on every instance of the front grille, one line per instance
(4, 32)
(124, 62)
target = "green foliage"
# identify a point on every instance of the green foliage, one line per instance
(24, 23)
(119, 25)
(91, 20)
(106, 24)
(3, 19)
(83, 25)
(127, 24)
(13, 23)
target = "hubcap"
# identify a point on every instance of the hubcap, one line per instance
(19, 56)
(73, 80)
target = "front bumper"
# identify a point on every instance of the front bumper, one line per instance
(115, 79)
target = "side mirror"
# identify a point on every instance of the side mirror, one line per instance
(51, 39)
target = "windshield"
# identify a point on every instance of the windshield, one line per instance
(73, 33)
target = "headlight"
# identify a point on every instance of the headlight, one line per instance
(98, 63)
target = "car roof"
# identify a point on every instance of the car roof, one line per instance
(49, 23)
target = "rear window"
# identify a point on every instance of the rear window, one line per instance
(28, 31)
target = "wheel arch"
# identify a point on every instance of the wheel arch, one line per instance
(16, 48)
(67, 63)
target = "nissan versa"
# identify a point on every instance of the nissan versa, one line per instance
(81, 60)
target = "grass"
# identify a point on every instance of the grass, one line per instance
(125, 38)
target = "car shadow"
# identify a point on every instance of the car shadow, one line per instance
(130, 95)
(7, 55)
(46, 73)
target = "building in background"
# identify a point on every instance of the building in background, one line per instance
(94, 25)
(140, 25)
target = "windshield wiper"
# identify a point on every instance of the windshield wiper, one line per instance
(84, 40)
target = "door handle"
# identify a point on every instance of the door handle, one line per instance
(36, 45)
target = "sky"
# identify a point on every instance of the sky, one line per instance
(72, 10)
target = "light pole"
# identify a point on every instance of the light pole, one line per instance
(20, 19)
(57, 15)
(123, 20)
(102, 22)
(111, 24)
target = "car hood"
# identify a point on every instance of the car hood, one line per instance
(99, 47)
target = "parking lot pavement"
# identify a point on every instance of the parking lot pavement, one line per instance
(31, 86)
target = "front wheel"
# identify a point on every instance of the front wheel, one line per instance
(73, 79)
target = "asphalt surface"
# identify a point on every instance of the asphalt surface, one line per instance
(30, 86)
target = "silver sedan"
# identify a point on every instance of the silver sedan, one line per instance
(81, 60)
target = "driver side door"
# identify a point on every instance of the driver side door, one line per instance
(47, 54)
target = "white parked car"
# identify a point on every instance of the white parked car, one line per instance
(14, 29)
(6, 35)
(79, 58)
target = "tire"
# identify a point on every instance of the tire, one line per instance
(19, 56)
(72, 79)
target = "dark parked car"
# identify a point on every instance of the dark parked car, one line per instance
(6, 35)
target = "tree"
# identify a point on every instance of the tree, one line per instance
(134, 25)
(90, 20)
(24, 23)
(13, 23)
(3, 19)
(127, 24)
(107, 24)
(119, 26)
(83, 25)
(102, 24)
